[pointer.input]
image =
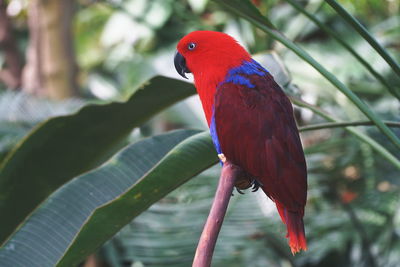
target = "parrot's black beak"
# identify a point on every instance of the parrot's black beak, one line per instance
(180, 65)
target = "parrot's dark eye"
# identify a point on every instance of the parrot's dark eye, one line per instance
(191, 46)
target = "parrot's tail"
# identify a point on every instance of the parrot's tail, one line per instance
(295, 228)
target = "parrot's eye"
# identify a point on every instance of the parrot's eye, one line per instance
(191, 46)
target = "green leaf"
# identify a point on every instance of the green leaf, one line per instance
(358, 134)
(91, 208)
(246, 10)
(64, 147)
(340, 40)
(353, 22)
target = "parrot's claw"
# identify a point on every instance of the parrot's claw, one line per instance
(239, 191)
(256, 186)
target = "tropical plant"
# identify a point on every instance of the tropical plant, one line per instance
(74, 181)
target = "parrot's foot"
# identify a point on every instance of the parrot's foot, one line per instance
(256, 185)
(222, 157)
(239, 191)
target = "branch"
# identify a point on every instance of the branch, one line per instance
(358, 134)
(345, 124)
(211, 229)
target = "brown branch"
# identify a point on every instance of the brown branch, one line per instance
(211, 229)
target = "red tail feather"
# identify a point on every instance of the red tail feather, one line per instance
(295, 228)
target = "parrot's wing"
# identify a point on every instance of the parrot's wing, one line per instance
(257, 131)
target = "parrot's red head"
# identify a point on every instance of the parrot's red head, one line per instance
(209, 56)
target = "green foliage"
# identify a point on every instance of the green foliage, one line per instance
(365, 34)
(339, 39)
(64, 147)
(361, 136)
(97, 204)
(20, 112)
(352, 214)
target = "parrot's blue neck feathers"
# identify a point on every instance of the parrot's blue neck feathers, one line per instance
(238, 79)
(237, 75)
(249, 68)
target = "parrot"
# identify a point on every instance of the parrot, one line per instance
(251, 123)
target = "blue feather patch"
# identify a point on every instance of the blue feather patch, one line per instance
(236, 75)
(238, 79)
(214, 136)
(251, 67)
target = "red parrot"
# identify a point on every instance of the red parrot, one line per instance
(251, 122)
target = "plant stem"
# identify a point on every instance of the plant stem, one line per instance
(339, 39)
(363, 137)
(344, 124)
(365, 34)
(211, 229)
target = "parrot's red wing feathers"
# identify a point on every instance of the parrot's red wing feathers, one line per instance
(257, 131)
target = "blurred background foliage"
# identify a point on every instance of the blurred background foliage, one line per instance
(352, 215)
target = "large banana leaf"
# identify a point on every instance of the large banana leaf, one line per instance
(64, 147)
(20, 112)
(90, 209)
